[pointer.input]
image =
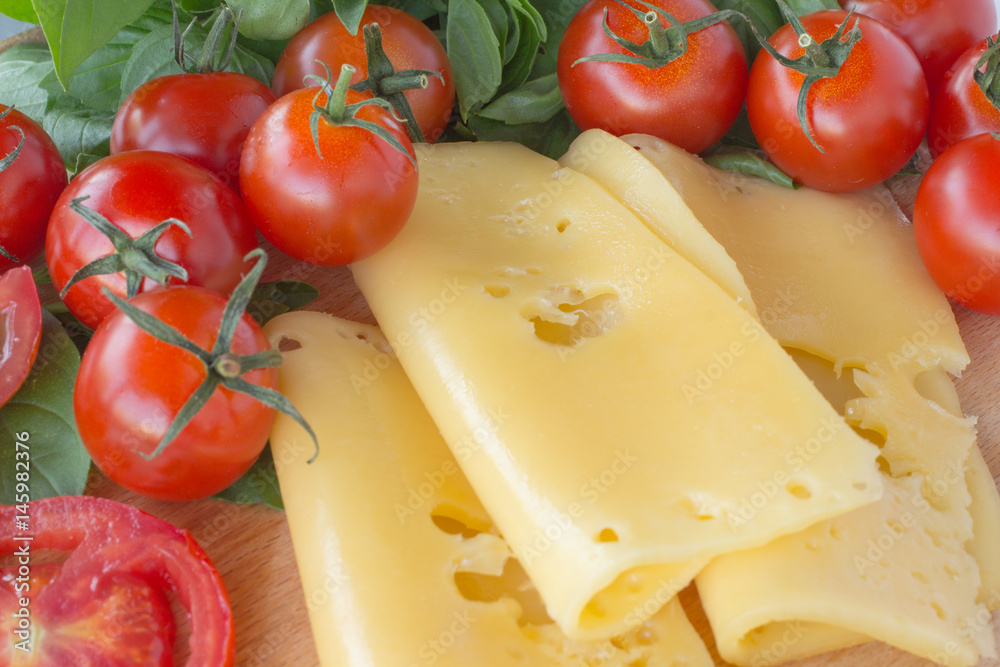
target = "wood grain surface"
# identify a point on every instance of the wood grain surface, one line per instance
(252, 548)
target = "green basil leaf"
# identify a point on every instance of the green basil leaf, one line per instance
(81, 133)
(75, 29)
(474, 52)
(764, 14)
(28, 79)
(803, 7)
(257, 485)
(531, 31)
(752, 163)
(43, 408)
(272, 299)
(271, 19)
(97, 82)
(350, 12)
(79, 332)
(551, 138)
(19, 10)
(534, 102)
(497, 15)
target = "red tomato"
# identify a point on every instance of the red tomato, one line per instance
(131, 386)
(203, 117)
(20, 329)
(956, 221)
(107, 604)
(690, 102)
(330, 209)
(938, 31)
(136, 191)
(407, 42)
(960, 109)
(869, 119)
(29, 186)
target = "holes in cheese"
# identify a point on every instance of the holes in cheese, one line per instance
(400, 563)
(619, 387)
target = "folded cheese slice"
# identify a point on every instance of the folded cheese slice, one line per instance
(400, 564)
(612, 406)
(838, 277)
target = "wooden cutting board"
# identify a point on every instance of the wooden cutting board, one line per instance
(251, 547)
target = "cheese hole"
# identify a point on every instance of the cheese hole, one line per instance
(533, 270)
(287, 344)
(497, 290)
(638, 662)
(562, 225)
(646, 637)
(921, 577)
(835, 533)
(939, 611)
(870, 435)
(572, 318)
(607, 535)
(513, 583)
(454, 521)
(798, 490)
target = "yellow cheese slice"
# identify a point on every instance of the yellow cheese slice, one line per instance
(612, 406)
(838, 281)
(400, 564)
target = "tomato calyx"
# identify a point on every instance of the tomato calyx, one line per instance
(222, 366)
(210, 50)
(136, 258)
(987, 79)
(664, 44)
(338, 113)
(385, 82)
(822, 60)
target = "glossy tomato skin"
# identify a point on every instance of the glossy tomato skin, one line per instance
(203, 117)
(938, 31)
(107, 604)
(29, 187)
(131, 386)
(869, 119)
(20, 329)
(691, 102)
(332, 209)
(137, 190)
(960, 109)
(407, 42)
(956, 221)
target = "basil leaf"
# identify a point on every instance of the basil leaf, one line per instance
(531, 32)
(349, 12)
(43, 408)
(75, 29)
(28, 79)
(533, 102)
(764, 14)
(272, 299)
(497, 15)
(551, 138)
(751, 163)
(268, 19)
(257, 485)
(19, 10)
(803, 7)
(97, 83)
(474, 52)
(82, 134)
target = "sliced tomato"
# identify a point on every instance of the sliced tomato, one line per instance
(107, 603)
(20, 329)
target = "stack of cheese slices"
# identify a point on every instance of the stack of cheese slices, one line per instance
(600, 379)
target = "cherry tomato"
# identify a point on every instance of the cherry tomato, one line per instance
(869, 118)
(407, 42)
(960, 109)
(29, 186)
(203, 117)
(131, 386)
(136, 191)
(938, 31)
(690, 102)
(956, 221)
(20, 329)
(107, 603)
(336, 206)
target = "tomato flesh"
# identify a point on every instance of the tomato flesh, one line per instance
(20, 329)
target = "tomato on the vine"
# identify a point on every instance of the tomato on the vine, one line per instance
(863, 124)
(203, 117)
(957, 224)
(689, 97)
(20, 329)
(136, 191)
(938, 31)
(32, 175)
(961, 108)
(409, 44)
(108, 603)
(336, 197)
